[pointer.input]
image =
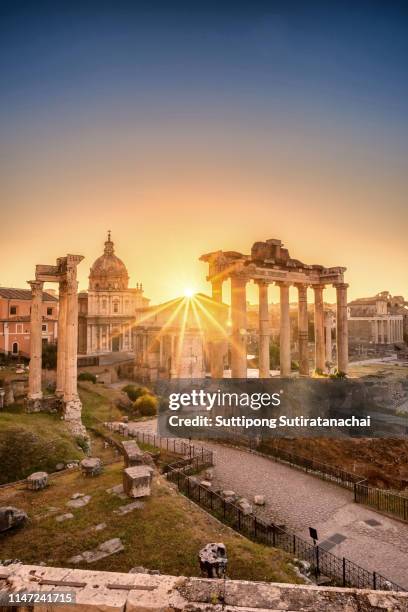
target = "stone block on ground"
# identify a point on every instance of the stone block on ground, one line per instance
(229, 495)
(91, 466)
(136, 505)
(64, 517)
(37, 481)
(206, 484)
(78, 502)
(11, 517)
(213, 559)
(137, 480)
(132, 453)
(259, 500)
(110, 547)
(245, 506)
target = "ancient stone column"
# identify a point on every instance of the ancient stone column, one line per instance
(217, 342)
(342, 327)
(328, 322)
(62, 338)
(319, 327)
(303, 332)
(238, 318)
(375, 329)
(70, 389)
(264, 330)
(34, 377)
(216, 285)
(285, 359)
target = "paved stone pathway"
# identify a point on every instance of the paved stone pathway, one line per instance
(300, 501)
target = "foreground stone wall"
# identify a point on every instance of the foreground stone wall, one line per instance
(111, 591)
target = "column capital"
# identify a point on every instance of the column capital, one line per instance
(239, 278)
(262, 282)
(283, 283)
(319, 286)
(302, 288)
(36, 285)
(341, 285)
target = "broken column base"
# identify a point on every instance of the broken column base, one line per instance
(72, 415)
(33, 404)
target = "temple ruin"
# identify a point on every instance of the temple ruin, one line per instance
(65, 274)
(269, 262)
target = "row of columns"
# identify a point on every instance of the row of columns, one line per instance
(388, 330)
(322, 344)
(66, 387)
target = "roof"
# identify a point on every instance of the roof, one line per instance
(23, 294)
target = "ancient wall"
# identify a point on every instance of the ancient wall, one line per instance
(111, 591)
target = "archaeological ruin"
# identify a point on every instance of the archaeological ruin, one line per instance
(65, 274)
(269, 262)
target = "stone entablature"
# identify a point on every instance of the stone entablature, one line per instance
(270, 263)
(120, 592)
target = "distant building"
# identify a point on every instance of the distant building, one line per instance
(15, 307)
(375, 321)
(175, 339)
(107, 310)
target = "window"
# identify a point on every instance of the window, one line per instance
(49, 311)
(104, 304)
(13, 310)
(14, 348)
(44, 327)
(19, 328)
(115, 306)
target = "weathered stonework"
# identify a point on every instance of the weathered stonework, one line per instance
(137, 481)
(116, 592)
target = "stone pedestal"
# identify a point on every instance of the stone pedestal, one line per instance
(132, 454)
(285, 359)
(37, 481)
(239, 323)
(137, 481)
(91, 466)
(34, 376)
(264, 331)
(303, 331)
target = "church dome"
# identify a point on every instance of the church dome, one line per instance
(108, 272)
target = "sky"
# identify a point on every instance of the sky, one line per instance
(191, 127)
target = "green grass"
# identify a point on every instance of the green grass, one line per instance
(33, 442)
(165, 534)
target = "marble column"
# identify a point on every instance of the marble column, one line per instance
(285, 358)
(216, 286)
(264, 330)
(239, 322)
(217, 342)
(62, 338)
(375, 334)
(320, 360)
(389, 335)
(70, 390)
(328, 322)
(34, 376)
(303, 332)
(342, 327)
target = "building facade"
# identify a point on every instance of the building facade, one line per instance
(107, 311)
(375, 321)
(15, 327)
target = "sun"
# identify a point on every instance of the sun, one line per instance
(188, 292)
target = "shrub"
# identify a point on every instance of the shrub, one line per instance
(133, 392)
(146, 405)
(87, 376)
